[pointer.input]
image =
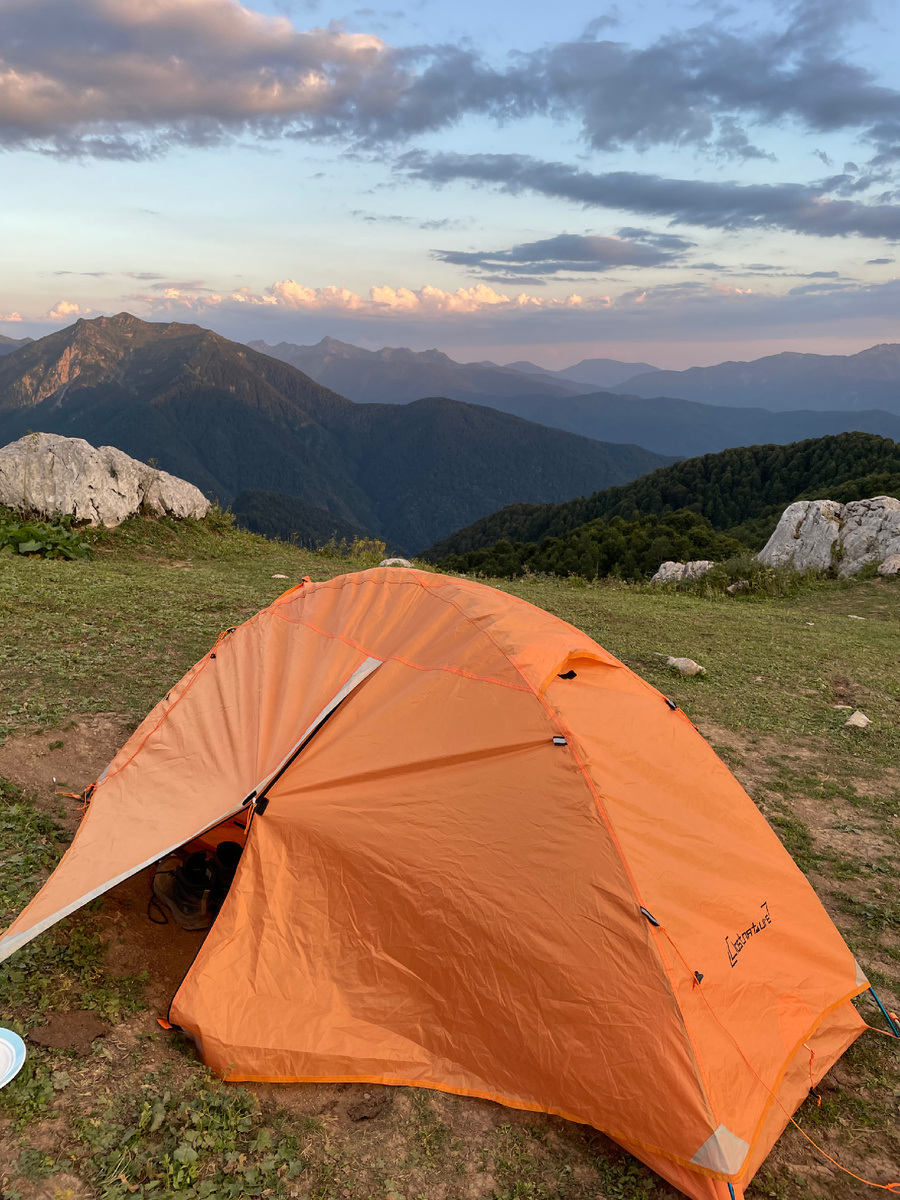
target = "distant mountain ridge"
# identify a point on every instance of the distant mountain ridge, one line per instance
(660, 419)
(592, 372)
(228, 418)
(685, 427)
(869, 379)
(8, 344)
(398, 375)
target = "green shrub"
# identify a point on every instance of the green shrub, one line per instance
(764, 582)
(59, 538)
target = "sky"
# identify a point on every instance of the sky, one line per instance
(674, 183)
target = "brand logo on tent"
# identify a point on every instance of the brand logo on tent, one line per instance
(735, 945)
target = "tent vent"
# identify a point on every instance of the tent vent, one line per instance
(568, 675)
(650, 917)
(248, 799)
(560, 741)
(671, 704)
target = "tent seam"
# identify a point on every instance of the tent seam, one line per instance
(556, 719)
(296, 620)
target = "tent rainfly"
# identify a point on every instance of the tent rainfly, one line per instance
(484, 857)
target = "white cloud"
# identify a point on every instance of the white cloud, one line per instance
(65, 308)
(382, 301)
(10, 317)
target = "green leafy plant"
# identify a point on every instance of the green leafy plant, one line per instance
(59, 538)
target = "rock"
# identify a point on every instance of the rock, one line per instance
(870, 534)
(739, 585)
(74, 1030)
(697, 568)
(44, 473)
(857, 720)
(678, 572)
(279, 576)
(817, 535)
(805, 537)
(890, 566)
(669, 572)
(686, 666)
(395, 562)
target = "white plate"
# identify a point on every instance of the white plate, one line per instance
(12, 1056)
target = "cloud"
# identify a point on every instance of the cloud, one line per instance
(132, 78)
(135, 78)
(878, 262)
(797, 207)
(10, 318)
(63, 309)
(382, 301)
(570, 252)
(686, 311)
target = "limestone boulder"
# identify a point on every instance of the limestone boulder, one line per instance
(890, 566)
(697, 568)
(817, 535)
(806, 537)
(45, 473)
(870, 533)
(678, 572)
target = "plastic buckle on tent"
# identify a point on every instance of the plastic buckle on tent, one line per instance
(671, 704)
(261, 805)
(650, 917)
(560, 741)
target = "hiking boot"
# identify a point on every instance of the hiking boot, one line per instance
(224, 865)
(185, 889)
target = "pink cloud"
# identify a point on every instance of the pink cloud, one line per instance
(383, 301)
(65, 308)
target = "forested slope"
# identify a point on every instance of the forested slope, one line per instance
(730, 489)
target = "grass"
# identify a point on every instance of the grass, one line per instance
(138, 1116)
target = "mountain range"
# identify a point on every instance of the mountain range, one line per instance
(8, 344)
(397, 375)
(229, 418)
(591, 372)
(684, 427)
(870, 379)
(660, 416)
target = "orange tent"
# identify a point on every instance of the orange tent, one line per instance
(485, 857)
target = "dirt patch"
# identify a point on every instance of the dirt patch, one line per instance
(68, 759)
(753, 760)
(76, 1030)
(374, 1103)
(63, 1187)
(64, 760)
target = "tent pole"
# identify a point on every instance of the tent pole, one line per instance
(884, 1012)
